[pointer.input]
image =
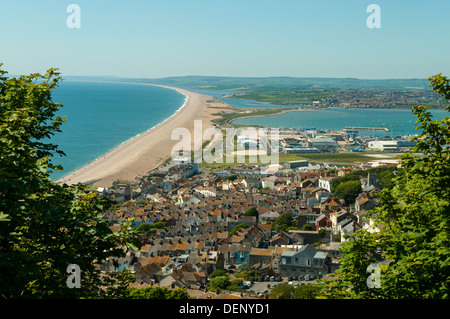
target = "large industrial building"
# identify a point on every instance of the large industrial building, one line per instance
(384, 146)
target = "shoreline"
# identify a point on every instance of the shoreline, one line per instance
(137, 156)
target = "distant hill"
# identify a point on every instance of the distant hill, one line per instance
(288, 83)
(271, 83)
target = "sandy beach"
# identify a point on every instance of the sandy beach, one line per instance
(150, 149)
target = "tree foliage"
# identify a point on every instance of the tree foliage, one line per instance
(252, 211)
(156, 293)
(284, 222)
(414, 222)
(348, 191)
(236, 228)
(221, 282)
(47, 226)
(286, 291)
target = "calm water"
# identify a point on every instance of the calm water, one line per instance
(101, 116)
(399, 121)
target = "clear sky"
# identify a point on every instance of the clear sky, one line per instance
(160, 38)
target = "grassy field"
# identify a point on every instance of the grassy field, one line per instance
(290, 97)
(227, 118)
(337, 158)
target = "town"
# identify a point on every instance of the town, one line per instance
(258, 227)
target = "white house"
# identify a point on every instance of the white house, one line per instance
(324, 182)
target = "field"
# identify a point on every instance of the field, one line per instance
(335, 158)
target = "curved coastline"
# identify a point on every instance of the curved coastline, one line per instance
(145, 151)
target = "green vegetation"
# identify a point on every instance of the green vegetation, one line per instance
(348, 191)
(337, 158)
(218, 273)
(46, 226)
(228, 117)
(284, 222)
(237, 227)
(246, 274)
(252, 211)
(219, 282)
(385, 175)
(286, 291)
(415, 215)
(284, 83)
(285, 97)
(229, 177)
(156, 293)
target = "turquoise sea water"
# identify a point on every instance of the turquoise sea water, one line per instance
(101, 116)
(400, 122)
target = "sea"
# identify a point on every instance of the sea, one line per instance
(103, 115)
(400, 122)
(100, 116)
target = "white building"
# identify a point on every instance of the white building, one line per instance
(324, 182)
(384, 146)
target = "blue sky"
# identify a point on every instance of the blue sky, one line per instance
(159, 38)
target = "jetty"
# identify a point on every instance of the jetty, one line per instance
(353, 128)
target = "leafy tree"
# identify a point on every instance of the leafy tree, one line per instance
(306, 292)
(218, 273)
(221, 282)
(237, 282)
(159, 225)
(307, 227)
(414, 222)
(385, 179)
(157, 293)
(282, 291)
(237, 227)
(47, 226)
(348, 191)
(230, 177)
(322, 232)
(284, 221)
(351, 176)
(252, 211)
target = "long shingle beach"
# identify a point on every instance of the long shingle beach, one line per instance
(150, 149)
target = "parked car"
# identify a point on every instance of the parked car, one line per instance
(301, 278)
(307, 277)
(290, 278)
(272, 278)
(260, 279)
(267, 278)
(278, 279)
(263, 292)
(294, 277)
